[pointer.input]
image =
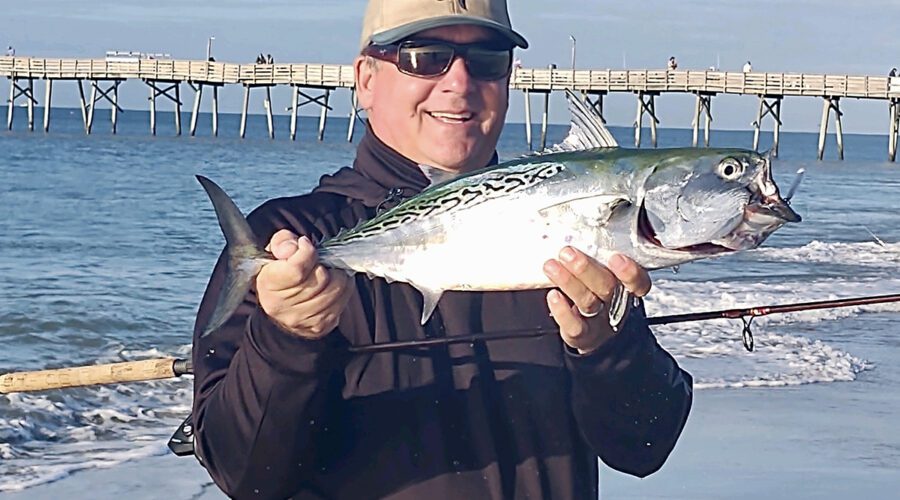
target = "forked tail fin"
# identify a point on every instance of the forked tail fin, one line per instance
(243, 257)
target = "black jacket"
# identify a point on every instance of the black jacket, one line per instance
(278, 416)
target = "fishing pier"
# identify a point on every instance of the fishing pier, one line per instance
(314, 84)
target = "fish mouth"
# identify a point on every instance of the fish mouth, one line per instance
(762, 216)
(766, 212)
(761, 219)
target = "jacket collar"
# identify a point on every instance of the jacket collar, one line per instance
(379, 174)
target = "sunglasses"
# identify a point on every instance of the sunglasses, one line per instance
(431, 58)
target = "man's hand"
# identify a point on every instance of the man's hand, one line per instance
(297, 292)
(587, 286)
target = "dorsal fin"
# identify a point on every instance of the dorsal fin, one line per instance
(586, 131)
(587, 125)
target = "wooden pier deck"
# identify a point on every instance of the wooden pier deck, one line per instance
(165, 76)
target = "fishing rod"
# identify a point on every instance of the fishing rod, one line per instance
(746, 315)
(164, 368)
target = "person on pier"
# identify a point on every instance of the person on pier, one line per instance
(282, 409)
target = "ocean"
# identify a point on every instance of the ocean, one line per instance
(106, 243)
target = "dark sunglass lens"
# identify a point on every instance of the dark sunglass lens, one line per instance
(427, 60)
(486, 64)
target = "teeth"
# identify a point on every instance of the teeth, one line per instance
(451, 116)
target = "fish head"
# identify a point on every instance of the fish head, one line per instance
(699, 203)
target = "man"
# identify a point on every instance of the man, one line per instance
(282, 408)
(748, 67)
(672, 65)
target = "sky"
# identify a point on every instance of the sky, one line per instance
(812, 36)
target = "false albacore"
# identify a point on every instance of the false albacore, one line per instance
(493, 229)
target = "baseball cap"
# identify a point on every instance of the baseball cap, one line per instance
(390, 21)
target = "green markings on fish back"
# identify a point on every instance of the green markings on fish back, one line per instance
(459, 194)
(243, 257)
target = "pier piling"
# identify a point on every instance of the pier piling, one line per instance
(48, 93)
(703, 107)
(84, 117)
(829, 104)
(324, 115)
(646, 104)
(354, 113)
(528, 119)
(198, 96)
(767, 108)
(894, 129)
(11, 102)
(156, 90)
(16, 91)
(545, 117)
(321, 100)
(152, 108)
(268, 104)
(215, 110)
(31, 101)
(244, 109)
(295, 93)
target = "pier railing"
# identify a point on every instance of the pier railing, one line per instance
(784, 84)
(325, 75)
(341, 76)
(165, 76)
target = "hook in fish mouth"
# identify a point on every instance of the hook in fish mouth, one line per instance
(766, 197)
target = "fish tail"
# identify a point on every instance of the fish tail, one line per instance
(243, 256)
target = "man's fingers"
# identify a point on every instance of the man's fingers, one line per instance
(304, 258)
(572, 287)
(634, 277)
(590, 283)
(277, 239)
(562, 311)
(320, 313)
(291, 273)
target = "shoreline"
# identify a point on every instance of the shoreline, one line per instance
(818, 441)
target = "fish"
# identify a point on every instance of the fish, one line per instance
(492, 229)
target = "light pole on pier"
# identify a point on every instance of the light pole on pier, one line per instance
(572, 38)
(209, 47)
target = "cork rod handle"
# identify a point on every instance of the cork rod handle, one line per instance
(132, 371)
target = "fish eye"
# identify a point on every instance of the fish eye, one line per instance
(730, 169)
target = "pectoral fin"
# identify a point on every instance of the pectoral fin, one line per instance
(430, 299)
(596, 209)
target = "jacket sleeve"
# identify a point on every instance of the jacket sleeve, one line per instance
(630, 398)
(260, 397)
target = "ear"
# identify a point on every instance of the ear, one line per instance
(365, 82)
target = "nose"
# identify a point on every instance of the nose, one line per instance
(457, 77)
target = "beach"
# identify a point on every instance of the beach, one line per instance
(808, 442)
(107, 242)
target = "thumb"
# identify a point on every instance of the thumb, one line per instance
(276, 244)
(283, 250)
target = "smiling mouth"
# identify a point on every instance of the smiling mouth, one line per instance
(451, 117)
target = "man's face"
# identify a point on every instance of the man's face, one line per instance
(451, 121)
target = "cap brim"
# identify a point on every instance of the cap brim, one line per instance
(399, 33)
